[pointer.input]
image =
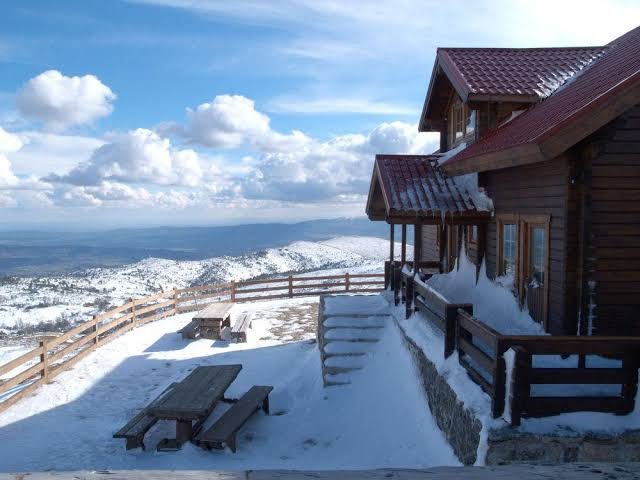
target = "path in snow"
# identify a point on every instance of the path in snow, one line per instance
(380, 420)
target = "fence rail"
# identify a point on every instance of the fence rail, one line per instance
(55, 355)
(481, 352)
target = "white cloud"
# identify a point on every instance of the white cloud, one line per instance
(43, 153)
(59, 101)
(231, 121)
(139, 156)
(292, 104)
(327, 170)
(8, 143)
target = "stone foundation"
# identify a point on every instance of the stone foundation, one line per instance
(509, 445)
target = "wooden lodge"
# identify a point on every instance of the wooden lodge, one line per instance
(537, 174)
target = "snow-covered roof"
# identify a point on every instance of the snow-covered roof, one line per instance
(414, 186)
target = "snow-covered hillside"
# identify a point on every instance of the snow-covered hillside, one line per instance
(68, 299)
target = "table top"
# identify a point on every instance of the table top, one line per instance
(219, 310)
(196, 395)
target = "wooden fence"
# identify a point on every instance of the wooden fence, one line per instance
(481, 352)
(57, 354)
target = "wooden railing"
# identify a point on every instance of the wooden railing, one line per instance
(481, 352)
(55, 355)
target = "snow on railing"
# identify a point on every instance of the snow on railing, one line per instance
(55, 355)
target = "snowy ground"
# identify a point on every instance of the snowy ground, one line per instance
(380, 420)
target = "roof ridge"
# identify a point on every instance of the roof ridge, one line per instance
(586, 47)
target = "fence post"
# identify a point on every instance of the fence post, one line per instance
(346, 282)
(409, 298)
(133, 310)
(233, 291)
(44, 359)
(499, 379)
(520, 384)
(175, 301)
(630, 364)
(290, 286)
(95, 329)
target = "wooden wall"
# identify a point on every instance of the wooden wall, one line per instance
(541, 188)
(430, 250)
(615, 225)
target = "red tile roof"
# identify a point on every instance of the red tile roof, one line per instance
(615, 72)
(532, 73)
(413, 185)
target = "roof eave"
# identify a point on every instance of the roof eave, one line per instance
(510, 157)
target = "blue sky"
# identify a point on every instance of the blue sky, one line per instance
(152, 112)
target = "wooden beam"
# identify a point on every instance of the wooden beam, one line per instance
(442, 231)
(403, 253)
(481, 248)
(391, 242)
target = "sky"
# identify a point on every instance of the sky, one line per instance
(204, 112)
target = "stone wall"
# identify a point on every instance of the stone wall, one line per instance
(509, 445)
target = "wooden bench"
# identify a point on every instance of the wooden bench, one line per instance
(239, 329)
(190, 330)
(135, 430)
(225, 429)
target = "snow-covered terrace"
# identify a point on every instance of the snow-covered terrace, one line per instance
(379, 420)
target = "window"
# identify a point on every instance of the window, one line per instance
(509, 243)
(523, 255)
(462, 122)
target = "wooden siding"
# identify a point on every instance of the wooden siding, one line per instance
(615, 226)
(430, 243)
(539, 189)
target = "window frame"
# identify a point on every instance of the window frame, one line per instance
(525, 224)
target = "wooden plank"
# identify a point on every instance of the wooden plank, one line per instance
(116, 322)
(545, 406)
(151, 298)
(218, 310)
(21, 377)
(73, 346)
(198, 288)
(478, 329)
(71, 333)
(62, 367)
(486, 362)
(258, 290)
(113, 311)
(155, 306)
(20, 395)
(320, 285)
(574, 376)
(476, 377)
(158, 316)
(16, 362)
(225, 428)
(196, 395)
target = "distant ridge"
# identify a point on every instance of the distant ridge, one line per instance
(29, 252)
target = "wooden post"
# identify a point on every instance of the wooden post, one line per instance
(630, 363)
(44, 359)
(409, 298)
(403, 251)
(417, 247)
(392, 241)
(481, 248)
(133, 310)
(95, 329)
(233, 291)
(459, 241)
(290, 286)
(519, 384)
(346, 282)
(499, 378)
(443, 243)
(175, 301)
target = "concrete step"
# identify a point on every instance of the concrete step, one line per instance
(338, 370)
(364, 322)
(352, 334)
(345, 361)
(346, 348)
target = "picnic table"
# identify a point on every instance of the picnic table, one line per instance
(193, 399)
(211, 320)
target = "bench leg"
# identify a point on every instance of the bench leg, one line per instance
(134, 442)
(231, 442)
(265, 405)
(184, 431)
